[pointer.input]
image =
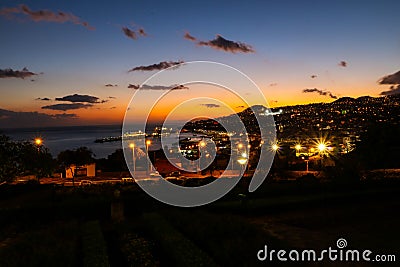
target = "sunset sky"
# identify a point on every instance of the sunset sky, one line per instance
(71, 62)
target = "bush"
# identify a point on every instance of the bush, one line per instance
(93, 245)
(177, 248)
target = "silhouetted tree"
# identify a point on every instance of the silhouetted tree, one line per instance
(23, 158)
(78, 157)
(379, 146)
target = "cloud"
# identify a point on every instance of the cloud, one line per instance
(313, 76)
(65, 115)
(65, 107)
(321, 92)
(220, 43)
(391, 79)
(142, 32)
(43, 99)
(129, 33)
(75, 98)
(134, 34)
(394, 80)
(13, 119)
(394, 90)
(112, 97)
(10, 73)
(43, 15)
(342, 64)
(189, 37)
(111, 85)
(133, 86)
(163, 87)
(210, 105)
(273, 84)
(113, 107)
(158, 66)
(240, 107)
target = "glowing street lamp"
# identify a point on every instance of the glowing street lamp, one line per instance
(132, 146)
(202, 144)
(148, 143)
(38, 143)
(242, 162)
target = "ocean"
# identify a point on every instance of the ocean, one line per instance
(58, 139)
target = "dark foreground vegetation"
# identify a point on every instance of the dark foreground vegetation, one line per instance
(58, 226)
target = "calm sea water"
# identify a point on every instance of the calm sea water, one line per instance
(57, 139)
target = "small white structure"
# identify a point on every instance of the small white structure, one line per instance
(88, 170)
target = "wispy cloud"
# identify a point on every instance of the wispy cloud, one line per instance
(220, 43)
(158, 66)
(343, 63)
(134, 34)
(76, 98)
(313, 76)
(142, 32)
(129, 33)
(273, 84)
(163, 87)
(210, 105)
(189, 37)
(112, 97)
(133, 86)
(394, 80)
(111, 85)
(320, 92)
(43, 99)
(22, 74)
(15, 119)
(65, 107)
(43, 15)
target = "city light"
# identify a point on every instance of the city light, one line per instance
(240, 145)
(148, 142)
(275, 147)
(202, 144)
(132, 145)
(298, 147)
(242, 161)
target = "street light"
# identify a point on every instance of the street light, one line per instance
(202, 144)
(148, 143)
(132, 146)
(38, 143)
(242, 162)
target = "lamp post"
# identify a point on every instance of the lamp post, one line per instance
(321, 150)
(298, 148)
(132, 146)
(148, 143)
(242, 162)
(38, 143)
(202, 144)
(238, 147)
